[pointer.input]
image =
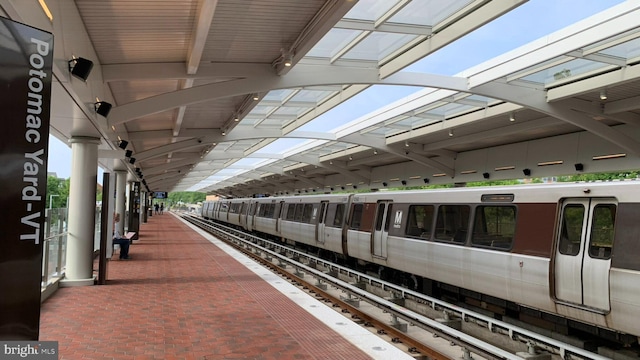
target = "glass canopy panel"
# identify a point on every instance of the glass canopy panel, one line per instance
(565, 70)
(311, 95)
(334, 41)
(278, 95)
(627, 50)
(454, 109)
(377, 46)
(290, 110)
(279, 146)
(429, 12)
(417, 122)
(261, 110)
(370, 9)
(621, 45)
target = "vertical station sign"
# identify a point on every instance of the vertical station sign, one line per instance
(26, 57)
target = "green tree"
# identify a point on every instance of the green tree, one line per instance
(59, 188)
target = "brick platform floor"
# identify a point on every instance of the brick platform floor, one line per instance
(181, 297)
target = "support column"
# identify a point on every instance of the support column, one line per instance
(82, 205)
(121, 191)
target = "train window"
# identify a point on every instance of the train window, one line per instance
(356, 216)
(298, 214)
(306, 213)
(388, 221)
(419, 221)
(571, 233)
(494, 227)
(601, 242)
(291, 211)
(380, 216)
(271, 211)
(339, 214)
(452, 223)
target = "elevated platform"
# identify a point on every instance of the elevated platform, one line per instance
(186, 295)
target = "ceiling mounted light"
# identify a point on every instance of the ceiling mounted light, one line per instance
(236, 118)
(512, 117)
(450, 132)
(375, 152)
(603, 94)
(102, 108)
(288, 60)
(80, 68)
(256, 97)
(406, 143)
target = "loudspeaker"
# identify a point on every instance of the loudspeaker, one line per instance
(526, 172)
(128, 153)
(103, 108)
(485, 175)
(579, 167)
(132, 160)
(123, 144)
(80, 68)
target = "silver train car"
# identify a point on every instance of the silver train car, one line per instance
(564, 256)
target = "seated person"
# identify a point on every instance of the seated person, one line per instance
(118, 239)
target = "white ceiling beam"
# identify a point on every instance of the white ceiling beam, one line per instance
(202, 26)
(300, 76)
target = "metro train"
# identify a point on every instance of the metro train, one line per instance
(563, 256)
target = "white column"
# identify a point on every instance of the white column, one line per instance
(82, 205)
(121, 190)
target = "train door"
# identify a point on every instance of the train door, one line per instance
(279, 217)
(320, 235)
(243, 214)
(250, 215)
(583, 252)
(381, 230)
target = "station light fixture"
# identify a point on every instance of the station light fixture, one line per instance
(103, 108)
(80, 67)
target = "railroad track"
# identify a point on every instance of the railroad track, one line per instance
(406, 318)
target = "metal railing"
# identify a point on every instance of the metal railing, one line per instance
(54, 248)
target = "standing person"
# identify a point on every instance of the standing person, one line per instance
(156, 206)
(118, 239)
(161, 207)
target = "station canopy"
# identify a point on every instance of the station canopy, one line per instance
(238, 98)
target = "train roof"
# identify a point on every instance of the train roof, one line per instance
(623, 190)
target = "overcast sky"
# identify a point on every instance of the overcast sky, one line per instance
(528, 22)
